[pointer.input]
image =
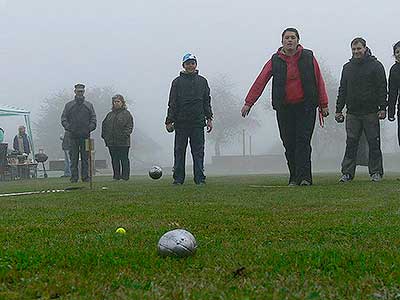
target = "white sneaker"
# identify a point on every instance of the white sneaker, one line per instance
(376, 177)
(345, 178)
(305, 183)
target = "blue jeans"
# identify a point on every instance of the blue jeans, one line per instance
(67, 164)
(195, 136)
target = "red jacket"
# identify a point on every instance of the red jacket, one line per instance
(294, 89)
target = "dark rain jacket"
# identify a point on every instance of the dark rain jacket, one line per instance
(117, 127)
(189, 101)
(79, 118)
(394, 90)
(363, 86)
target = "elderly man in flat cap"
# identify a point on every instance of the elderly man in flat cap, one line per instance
(79, 120)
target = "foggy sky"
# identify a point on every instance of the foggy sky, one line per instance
(136, 46)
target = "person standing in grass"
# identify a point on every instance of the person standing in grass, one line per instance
(297, 90)
(189, 111)
(363, 90)
(116, 131)
(394, 89)
(21, 141)
(79, 119)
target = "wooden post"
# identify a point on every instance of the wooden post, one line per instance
(89, 145)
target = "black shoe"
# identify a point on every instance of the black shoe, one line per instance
(85, 180)
(74, 180)
(201, 183)
(177, 183)
(64, 176)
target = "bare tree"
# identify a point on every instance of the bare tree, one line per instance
(228, 122)
(329, 140)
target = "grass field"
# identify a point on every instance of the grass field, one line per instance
(257, 240)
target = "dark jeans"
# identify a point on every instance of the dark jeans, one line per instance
(355, 125)
(296, 126)
(196, 140)
(78, 148)
(120, 159)
(398, 128)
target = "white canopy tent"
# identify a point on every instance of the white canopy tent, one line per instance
(7, 111)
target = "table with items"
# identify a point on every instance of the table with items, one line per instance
(21, 167)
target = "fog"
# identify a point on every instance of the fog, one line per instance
(136, 47)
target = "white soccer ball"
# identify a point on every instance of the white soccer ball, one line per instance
(178, 243)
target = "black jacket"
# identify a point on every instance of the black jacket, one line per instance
(79, 118)
(363, 86)
(189, 101)
(394, 90)
(117, 127)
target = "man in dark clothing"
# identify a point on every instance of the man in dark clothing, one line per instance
(394, 89)
(297, 90)
(21, 141)
(79, 119)
(189, 111)
(363, 91)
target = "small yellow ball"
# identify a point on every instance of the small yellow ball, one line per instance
(120, 230)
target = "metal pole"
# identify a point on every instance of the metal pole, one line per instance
(250, 145)
(244, 142)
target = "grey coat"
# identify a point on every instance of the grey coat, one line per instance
(117, 127)
(79, 118)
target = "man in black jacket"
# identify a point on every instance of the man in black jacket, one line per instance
(79, 119)
(363, 90)
(189, 111)
(394, 89)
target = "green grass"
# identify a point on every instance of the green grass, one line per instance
(328, 241)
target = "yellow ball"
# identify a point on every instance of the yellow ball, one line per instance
(120, 230)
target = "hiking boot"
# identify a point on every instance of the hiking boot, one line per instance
(376, 177)
(345, 178)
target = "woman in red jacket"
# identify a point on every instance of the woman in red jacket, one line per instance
(297, 90)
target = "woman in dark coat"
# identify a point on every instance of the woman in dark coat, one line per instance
(116, 131)
(394, 88)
